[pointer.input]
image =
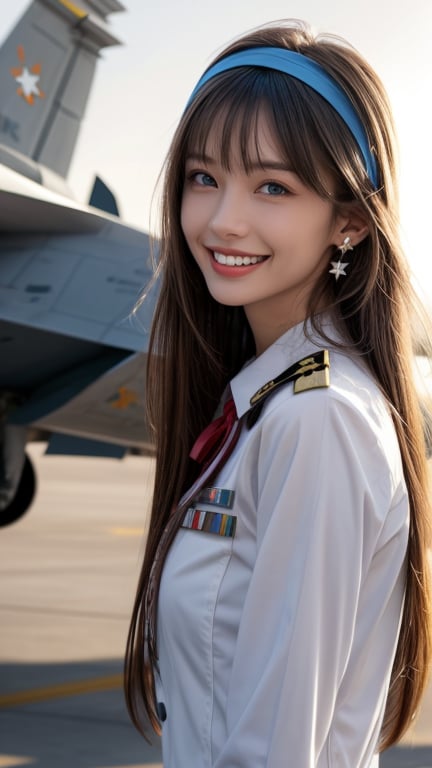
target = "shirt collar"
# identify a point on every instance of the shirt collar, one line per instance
(285, 351)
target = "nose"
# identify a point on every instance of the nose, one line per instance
(229, 218)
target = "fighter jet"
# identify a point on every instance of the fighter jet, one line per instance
(72, 352)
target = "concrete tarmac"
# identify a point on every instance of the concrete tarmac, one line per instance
(67, 577)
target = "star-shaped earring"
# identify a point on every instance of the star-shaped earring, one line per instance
(339, 266)
(346, 246)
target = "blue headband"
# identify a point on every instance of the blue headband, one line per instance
(310, 73)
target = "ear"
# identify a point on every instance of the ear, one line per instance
(351, 222)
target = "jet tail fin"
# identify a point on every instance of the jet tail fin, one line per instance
(101, 197)
(47, 66)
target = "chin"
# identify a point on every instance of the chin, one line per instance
(223, 298)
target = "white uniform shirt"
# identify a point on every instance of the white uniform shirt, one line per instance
(276, 645)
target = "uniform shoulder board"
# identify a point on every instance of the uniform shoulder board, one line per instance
(310, 372)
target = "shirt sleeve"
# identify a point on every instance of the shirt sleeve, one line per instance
(320, 621)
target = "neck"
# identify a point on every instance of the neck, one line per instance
(268, 324)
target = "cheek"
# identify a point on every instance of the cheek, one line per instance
(189, 209)
(315, 232)
(196, 211)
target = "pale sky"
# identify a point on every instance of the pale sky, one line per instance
(140, 90)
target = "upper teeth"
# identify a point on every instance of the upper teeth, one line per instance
(237, 261)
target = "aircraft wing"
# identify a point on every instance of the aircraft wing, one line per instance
(108, 408)
(70, 269)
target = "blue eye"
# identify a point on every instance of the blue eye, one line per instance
(274, 189)
(203, 179)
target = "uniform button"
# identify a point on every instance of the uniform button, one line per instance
(161, 710)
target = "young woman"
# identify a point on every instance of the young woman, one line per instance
(282, 614)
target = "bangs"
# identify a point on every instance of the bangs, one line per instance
(226, 115)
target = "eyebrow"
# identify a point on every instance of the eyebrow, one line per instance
(258, 165)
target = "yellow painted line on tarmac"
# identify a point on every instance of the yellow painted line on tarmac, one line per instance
(10, 761)
(127, 531)
(76, 688)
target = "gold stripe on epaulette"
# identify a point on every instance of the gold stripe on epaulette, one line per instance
(310, 372)
(313, 380)
(264, 390)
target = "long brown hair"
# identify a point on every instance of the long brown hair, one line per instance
(197, 345)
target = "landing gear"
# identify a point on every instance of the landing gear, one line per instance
(23, 498)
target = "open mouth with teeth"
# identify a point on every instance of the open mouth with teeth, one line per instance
(237, 261)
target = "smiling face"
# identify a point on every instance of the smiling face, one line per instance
(260, 236)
